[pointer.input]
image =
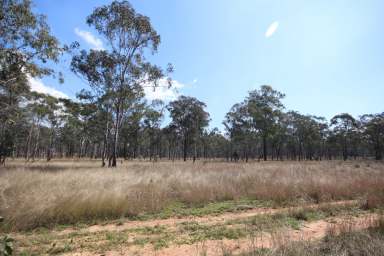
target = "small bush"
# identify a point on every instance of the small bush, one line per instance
(6, 246)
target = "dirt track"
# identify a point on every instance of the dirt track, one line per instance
(202, 220)
(309, 231)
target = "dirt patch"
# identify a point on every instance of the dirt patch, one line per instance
(311, 231)
(202, 220)
(308, 231)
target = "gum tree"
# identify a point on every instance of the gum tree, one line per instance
(26, 46)
(374, 131)
(118, 73)
(265, 108)
(189, 119)
(344, 125)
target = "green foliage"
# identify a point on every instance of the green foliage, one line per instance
(179, 209)
(261, 113)
(188, 119)
(118, 72)
(26, 45)
(199, 232)
(345, 128)
(374, 130)
(6, 246)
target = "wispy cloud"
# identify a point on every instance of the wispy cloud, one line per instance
(38, 86)
(194, 81)
(271, 29)
(162, 92)
(88, 37)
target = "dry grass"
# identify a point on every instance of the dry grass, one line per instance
(65, 192)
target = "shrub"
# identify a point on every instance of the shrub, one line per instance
(6, 247)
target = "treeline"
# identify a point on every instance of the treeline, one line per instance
(112, 119)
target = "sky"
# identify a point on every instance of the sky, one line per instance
(327, 56)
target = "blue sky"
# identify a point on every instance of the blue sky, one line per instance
(327, 56)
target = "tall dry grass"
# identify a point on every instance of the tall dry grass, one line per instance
(64, 192)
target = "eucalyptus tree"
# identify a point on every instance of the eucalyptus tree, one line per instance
(189, 118)
(78, 129)
(118, 73)
(344, 125)
(153, 116)
(36, 113)
(308, 133)
(172, 138)
(26, 45)
(215, 145)
(239, 129)
(373, 128)
(54, 111)
(131, 131)
(265, 109)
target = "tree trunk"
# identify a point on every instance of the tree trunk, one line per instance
(114, 149)
(2, 160)
(378, 151)
(50, 146)
(265, 147)
(185, 148)
(105, 142)
(36, 147)
(345, 150)
(29, 141)
(112, 162)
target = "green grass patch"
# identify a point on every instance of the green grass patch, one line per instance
(179, 209)
(294, 218)
(195, 232)
(267, 222)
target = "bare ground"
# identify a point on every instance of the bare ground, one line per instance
(309, 230)
(213, 219)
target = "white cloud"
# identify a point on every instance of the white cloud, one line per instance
(194, 81)
(272, 29)
(38, 86)
(162, 92)
(88, 37)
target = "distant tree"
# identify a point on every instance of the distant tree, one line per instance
(308, 133)
(214, 144)
(118, 73)
(132, 131)
(373, 126)
(344, 125)
(238, 125)
(53, 119)
(265, 108)
(172, 139)
(153, 116)
(189, 118)
(36, 114)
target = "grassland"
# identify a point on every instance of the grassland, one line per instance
(77, 208)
